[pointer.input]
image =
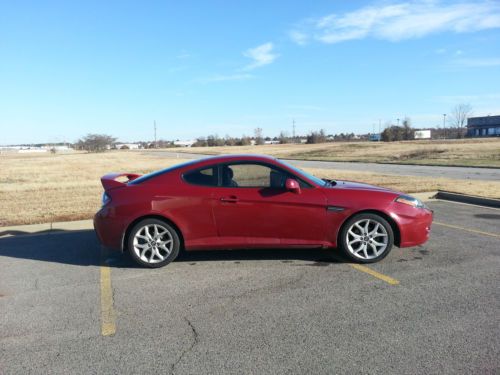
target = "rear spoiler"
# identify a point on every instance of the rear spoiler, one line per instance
(109, 181)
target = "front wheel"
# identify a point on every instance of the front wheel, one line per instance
(366, 238)
(153, 243)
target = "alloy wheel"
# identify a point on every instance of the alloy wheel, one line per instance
(367, 239)
(153, 243)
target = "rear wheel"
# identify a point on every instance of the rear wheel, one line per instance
(153, 243)
(366, 238)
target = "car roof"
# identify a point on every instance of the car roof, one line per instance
(237, 157)
(210, 161)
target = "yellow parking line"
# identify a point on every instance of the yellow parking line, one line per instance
(467, 229)
(376, 274)
(108, 327)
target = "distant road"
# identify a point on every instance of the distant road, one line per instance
(460, 173)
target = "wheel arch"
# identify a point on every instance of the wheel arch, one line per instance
(126, 233)
(395, 228)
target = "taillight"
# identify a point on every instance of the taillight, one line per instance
(105, 198)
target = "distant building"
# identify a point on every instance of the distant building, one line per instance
(486, 126)
(24, 150)
(184, 143)
(127, 146)
(375, 137)
(422, 134)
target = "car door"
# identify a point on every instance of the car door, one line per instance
(252, 205)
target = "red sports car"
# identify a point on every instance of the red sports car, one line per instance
(249, 201)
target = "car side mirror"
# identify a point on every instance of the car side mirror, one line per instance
(292, 185)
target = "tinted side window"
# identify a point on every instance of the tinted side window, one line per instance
(205, 177)
(252, 175)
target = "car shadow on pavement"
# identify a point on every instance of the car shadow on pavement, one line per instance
(68, 247)
(83, 249)
(319, 256)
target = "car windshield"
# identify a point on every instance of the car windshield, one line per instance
(308, 176)
(151, 175)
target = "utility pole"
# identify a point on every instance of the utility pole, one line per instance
(156, 145)
(444, 125)
(293, 125)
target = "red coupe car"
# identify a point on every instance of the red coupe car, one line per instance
(249, 201)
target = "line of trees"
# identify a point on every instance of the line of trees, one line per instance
(95, 142)
(457, 127)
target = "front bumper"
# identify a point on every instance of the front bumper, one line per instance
(415, 230)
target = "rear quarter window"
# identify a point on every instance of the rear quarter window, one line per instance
(202, 177)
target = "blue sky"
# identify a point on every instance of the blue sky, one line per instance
(202, 67)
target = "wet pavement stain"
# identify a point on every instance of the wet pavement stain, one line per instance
(319, 263)
(409, 260)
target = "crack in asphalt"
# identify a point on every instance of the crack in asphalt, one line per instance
(187, 350)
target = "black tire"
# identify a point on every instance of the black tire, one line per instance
(366, 239)
(148, 225)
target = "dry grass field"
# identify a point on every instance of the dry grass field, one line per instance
(50, 188)
(467, 152)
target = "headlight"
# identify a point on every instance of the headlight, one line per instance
(105, 198)
(411, 201)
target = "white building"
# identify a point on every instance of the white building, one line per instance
(184, 143)
(422, 134)
(127, 146)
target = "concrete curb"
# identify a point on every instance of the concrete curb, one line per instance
(470, 199)
(46, 228)
(425, 196)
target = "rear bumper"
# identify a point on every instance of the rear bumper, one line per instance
(109, 229)
(416, 230)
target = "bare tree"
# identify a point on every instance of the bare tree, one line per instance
(459, 115)
(407, 130)
(284, 138)
(95, 142)
(316, 137)
(259, 139)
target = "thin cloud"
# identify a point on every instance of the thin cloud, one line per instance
(260, 55)
(299, 37)
(226, 77)
(410, 20)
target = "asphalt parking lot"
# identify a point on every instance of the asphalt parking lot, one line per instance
(67, 307)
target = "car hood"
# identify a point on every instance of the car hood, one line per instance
(351, 185)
